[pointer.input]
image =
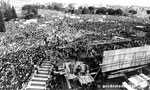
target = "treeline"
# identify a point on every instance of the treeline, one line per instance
(31, 13)
(8, 11)
(101, 10)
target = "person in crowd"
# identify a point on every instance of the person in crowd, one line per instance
(36, 68)
(87, 70)
(48, 84)
(78, 70)
(71, 67)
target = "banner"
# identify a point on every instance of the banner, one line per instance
(124, 58)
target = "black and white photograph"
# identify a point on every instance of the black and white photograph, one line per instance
(74, 44)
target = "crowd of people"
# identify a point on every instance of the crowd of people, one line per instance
(17, 65)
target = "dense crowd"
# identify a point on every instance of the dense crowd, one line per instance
(105, 33)
(19, 60)
(17, 67)
(23, 51)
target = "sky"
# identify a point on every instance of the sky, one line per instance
(114, 2)
(89, 2)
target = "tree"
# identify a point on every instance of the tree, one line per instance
(30, 11)
(133, 11)
(7, 11)
(29, 15)
(71, 6)
(80, 7)
(101, 10)
(119, 12)
(111, 11)
(42, 7)
(27, 7)
(49, 7)
(91, 8)
(14, 13)
(57, 6)
(86, 11)
(2, 23)
(35, 11)
(148, 11)
(79, 10)
(72, 11)
(8, 14)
